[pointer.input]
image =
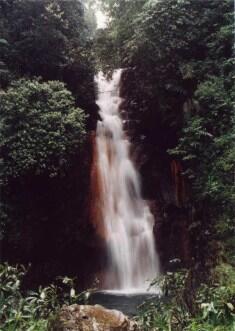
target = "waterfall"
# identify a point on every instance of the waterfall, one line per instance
(127, 220)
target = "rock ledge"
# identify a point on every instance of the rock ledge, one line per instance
(91, 318)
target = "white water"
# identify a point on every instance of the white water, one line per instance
(128, 222)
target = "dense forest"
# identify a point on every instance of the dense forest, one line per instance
(178, 111)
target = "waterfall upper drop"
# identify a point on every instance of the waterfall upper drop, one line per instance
(127, 220)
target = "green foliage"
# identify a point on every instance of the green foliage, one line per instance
(16, 311)
(40, 128)
(4, 72)
(90, 8)
(171, 48)
(207, 145)
(107, 56)
(184, 307)
(109, 41)
(32, 311)
(50, 39)
(38, 33)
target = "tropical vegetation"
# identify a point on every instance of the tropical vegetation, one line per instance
(179, 93)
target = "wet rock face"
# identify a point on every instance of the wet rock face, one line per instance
(163, 182)
(91, 318)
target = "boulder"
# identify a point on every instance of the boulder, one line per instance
(91, 318)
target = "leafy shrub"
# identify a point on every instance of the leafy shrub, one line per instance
(32, 310)
(183, 307)
(41, 128)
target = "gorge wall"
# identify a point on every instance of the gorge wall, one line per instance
(163, 183)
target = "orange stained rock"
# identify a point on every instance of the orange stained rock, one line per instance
(96, 203)
(178, 182)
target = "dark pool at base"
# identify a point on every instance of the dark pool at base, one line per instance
(125, 302)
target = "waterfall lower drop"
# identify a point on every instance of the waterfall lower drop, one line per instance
(127, 220)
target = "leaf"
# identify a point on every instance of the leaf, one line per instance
(230, 306)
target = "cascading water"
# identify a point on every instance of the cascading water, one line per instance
(127, 220)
